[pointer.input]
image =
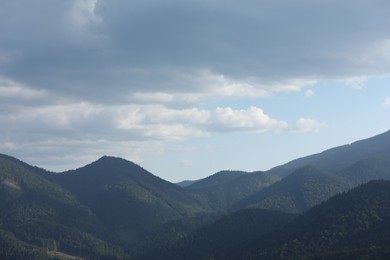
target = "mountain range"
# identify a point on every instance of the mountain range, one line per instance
(315, 206)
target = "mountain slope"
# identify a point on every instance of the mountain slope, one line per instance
(304, 188)
(354, 225)
(338, 158)
(38, 211)
(220, 192)
(126, 198)
(216, 179)
(219, 237)
(366, 170)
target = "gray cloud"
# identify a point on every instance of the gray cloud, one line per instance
(102, 49)
(122, 77)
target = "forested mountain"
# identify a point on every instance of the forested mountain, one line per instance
(216, 179)
(126, 198)
(115, 209)
(185, 183)
(44, 214)
(336, 159)
(366, 170)
(220, 237)
(352, 225)
(224, 189)
(299, 191)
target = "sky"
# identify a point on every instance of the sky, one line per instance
(186, 88)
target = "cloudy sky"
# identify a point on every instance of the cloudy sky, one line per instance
(186, 88)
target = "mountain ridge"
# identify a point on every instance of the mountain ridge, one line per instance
(105, 208)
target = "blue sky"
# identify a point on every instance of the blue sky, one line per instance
(188, 88)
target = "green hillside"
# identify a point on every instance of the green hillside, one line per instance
(229, 232)
(304, 188)
(355, 225)
(216, 179)
(126, 198)
(352, 225)
(221, 191)
(366, 170)
(41, 213)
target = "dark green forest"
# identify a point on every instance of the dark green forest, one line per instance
(335, 204)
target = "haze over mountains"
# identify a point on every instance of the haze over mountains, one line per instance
(115, 209)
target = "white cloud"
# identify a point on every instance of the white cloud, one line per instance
(205, 85)
(386, 103)
(309, 93)
(306, 125)
(162, 122)
(185, 162)
(252, 119)
(356, 82)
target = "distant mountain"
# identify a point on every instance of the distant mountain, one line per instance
(366, 170)
(35, 212)
(185, 183)
(126, 198)
(338, 158)
(221, 190)
(301, 190)
(216, 179)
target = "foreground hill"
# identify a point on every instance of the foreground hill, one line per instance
(336, 159)
(348, 226)
(352, 225)
(217, 239)
(301, 190)
(126, 198)
(36, 213)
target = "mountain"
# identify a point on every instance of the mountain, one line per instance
(221, 190)
(115, 209)
(299, 191)
(13, 248)
(351, 225)
(354, 225)
(231, 231)
(35, 213)
(216, 179)
(126, 198)
(338, 158)
(185, 183)
(366, 170)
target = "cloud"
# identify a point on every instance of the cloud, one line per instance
(356, 82)
(386, 103)
(102, 49)
(82, 13)
(306, 125)
(85, 74)
(252, 119)
(11, 89)
(309, 93)
(185, 162)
